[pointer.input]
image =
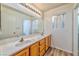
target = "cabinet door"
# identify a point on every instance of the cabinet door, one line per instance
(50, 41)
(42, 52)
(47, 42)
(42, 44)
(42, 47)
(34, 49)
(27, 52)
(42, 41)
(24, 52)
(20, 54)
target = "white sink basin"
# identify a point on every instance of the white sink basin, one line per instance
(23, 43)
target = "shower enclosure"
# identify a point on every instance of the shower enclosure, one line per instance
(76, 30)
(77, 19)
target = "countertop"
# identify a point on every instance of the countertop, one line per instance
(9, 48)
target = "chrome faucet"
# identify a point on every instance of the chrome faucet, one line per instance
(21, 40)
(42, 33)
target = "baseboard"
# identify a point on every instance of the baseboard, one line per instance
(63, 49)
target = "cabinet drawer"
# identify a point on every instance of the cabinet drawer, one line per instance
(42, 41)
(35, 45)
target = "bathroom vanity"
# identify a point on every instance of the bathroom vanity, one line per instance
(32, 46)
(17, 37)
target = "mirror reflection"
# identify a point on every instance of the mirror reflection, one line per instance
(15, 23)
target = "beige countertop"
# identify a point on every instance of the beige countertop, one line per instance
(11, 45)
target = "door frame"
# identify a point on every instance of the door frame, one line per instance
(75, 31)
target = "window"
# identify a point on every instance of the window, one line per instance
(27, 27)
(35, 26)
(54, 19)
(62, 20)
(58, 21)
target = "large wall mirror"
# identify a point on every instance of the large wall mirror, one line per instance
(15, 23)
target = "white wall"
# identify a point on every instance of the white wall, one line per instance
(66, 42)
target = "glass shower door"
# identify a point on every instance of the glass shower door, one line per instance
(77, 20)
(76, 31)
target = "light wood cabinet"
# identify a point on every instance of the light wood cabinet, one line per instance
(34, 49)
(24, 52)
(48, 42)
(42, 44)
(37, 49)
(42, 52)
(42, 47)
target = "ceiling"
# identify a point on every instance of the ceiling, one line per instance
(46, 6)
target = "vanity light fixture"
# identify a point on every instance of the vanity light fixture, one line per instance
(31, 8)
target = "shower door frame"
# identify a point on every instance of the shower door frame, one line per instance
(75, 30)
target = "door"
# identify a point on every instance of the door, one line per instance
(62, 33)
(58, 30)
